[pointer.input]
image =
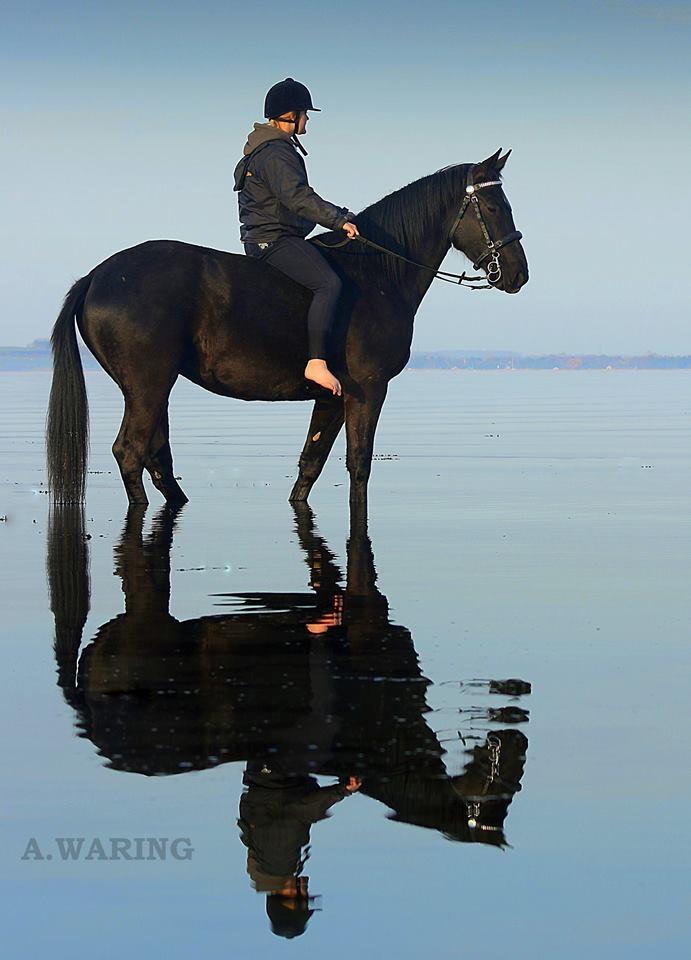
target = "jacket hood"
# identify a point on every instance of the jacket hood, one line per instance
(261, 133)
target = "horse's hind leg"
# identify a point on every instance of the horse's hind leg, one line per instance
(131, 449)
(325, 425)
(159, 463)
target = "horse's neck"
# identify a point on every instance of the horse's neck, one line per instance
(429, 250)
(431, 254)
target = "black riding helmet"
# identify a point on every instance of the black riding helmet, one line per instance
(285, 96)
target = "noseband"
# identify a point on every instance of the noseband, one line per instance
(491, 254)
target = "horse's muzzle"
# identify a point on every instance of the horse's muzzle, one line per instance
(518, 280)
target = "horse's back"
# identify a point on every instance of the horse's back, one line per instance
(226, 321)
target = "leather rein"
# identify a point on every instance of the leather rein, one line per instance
(491, 254)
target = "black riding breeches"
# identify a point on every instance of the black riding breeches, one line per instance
(301, 261)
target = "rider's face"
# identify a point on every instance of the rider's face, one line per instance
(302, 121)
(299, 127)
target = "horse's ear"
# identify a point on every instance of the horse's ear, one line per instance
(502, 161)
(491, 162)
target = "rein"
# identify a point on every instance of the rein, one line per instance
(460, 279)
(457, 278)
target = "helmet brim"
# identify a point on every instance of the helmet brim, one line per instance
(301, 110)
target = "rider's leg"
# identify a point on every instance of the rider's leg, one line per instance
(302, 262)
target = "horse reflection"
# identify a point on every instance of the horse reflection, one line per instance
(295, 685)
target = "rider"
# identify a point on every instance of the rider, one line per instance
(278, 208)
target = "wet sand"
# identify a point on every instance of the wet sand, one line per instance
(530, 526)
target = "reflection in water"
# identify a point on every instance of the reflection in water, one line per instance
(295, 685)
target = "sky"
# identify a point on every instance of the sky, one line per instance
(123, 122)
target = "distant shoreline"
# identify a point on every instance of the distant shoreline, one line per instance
(37, 356)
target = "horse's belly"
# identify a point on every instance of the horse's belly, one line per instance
(251, 383)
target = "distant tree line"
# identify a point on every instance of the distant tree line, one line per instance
(442, 360)
(37, 356)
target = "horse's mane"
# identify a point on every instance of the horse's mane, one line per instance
(399, 220)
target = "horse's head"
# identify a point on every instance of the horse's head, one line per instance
(484, 229)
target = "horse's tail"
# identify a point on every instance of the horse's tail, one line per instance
(67, 426)
(69, 588)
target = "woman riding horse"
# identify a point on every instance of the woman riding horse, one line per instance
(166, 309)
(278, 208)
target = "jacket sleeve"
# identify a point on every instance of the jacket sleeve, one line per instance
(286, 177)
(315, 805)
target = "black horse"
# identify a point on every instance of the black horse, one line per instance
(237, 327)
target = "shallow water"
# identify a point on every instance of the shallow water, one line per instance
(530, 526)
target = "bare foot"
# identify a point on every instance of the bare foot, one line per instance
(318, 371)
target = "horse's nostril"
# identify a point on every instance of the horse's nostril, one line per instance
(516, 282)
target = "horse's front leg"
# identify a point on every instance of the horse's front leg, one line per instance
(325, 425)
(361, 418)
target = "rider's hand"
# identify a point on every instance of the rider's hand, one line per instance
(351, 230)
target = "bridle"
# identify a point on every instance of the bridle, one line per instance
(491, 254)
(296, 122)
(493, 267)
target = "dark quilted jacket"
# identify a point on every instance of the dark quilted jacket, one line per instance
(274, 197)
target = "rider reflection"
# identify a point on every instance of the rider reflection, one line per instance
(276, 813)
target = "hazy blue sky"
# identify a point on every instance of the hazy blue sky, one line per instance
(123, 121)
